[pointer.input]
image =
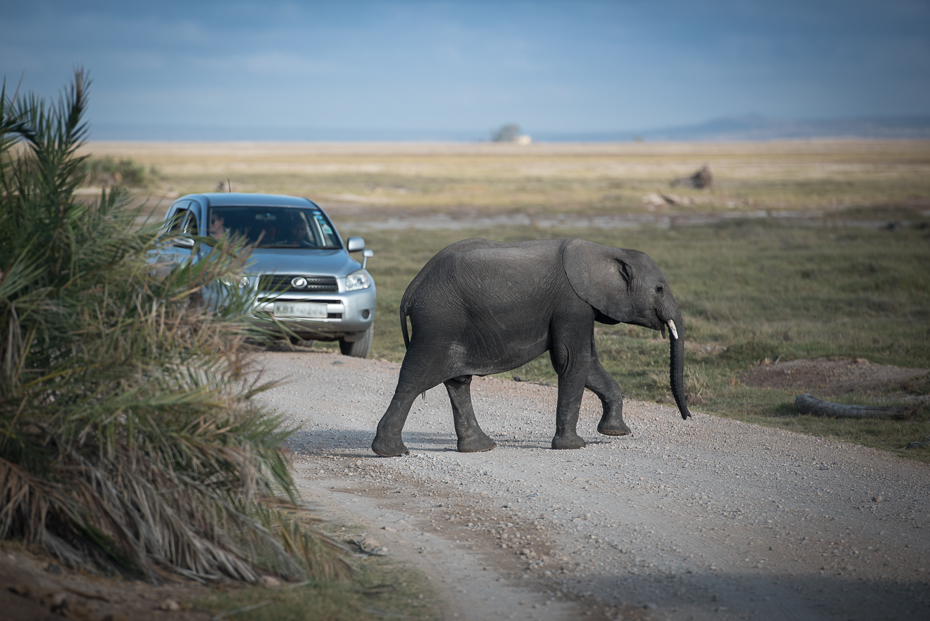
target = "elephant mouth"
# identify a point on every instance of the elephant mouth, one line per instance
(673, 329)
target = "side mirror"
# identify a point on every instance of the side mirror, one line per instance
(354, 244)
(366, 254)
(183, 242)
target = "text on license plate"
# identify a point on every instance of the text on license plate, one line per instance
(307, 310)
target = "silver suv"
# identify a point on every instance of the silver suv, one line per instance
(303, 272)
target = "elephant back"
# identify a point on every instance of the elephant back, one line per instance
(479, 280)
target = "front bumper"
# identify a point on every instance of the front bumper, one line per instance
(348, 314)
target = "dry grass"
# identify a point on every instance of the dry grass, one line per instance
(545, 178)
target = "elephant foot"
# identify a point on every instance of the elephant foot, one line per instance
(613, 427)
(476, 444)
(566, 441)
(386, 448)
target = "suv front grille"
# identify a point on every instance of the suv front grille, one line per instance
(278, 283)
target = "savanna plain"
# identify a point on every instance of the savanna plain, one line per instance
(800, 251)
(801, 270)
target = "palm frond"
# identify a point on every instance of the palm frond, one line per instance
(129, 438)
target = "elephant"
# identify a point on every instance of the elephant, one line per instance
(480, 307)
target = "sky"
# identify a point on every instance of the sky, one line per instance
(421, 69)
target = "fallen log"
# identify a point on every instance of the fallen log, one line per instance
(700, 180)
(808, 404)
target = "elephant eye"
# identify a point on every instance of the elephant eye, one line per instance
(660, 289)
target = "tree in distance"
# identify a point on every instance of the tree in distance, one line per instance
(506, 133)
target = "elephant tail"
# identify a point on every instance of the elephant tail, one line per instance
(403, 326)
(405, 304)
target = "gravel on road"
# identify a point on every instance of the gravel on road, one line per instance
(708, 518)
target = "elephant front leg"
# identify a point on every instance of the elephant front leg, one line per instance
(571, 389)
(471, 438)
(608, 391)
(388, 442)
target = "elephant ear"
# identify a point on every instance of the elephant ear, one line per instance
(601, 276)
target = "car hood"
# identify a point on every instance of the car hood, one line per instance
(306, 262)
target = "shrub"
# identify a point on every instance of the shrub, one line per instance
(129, 437)
(108, 172)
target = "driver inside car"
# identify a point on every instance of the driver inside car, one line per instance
(297, 234)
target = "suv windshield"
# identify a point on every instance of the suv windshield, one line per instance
(275, 227)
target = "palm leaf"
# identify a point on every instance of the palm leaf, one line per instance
(129, 438)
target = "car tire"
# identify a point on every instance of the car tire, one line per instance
(360, 348)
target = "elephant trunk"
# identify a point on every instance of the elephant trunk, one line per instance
(677, 365)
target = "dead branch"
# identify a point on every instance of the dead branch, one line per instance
(671, 199)
(808, 404)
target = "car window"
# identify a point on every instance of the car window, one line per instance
(180, 217)
(323, 227)
(184, 220)
(275, 227)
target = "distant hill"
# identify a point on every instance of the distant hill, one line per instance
(755, 127)
(742, 128)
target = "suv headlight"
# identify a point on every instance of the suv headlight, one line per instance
(358, 280)
(229, 282)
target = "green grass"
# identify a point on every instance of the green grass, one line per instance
(756, 290)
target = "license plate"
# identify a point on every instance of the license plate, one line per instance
(306, 310)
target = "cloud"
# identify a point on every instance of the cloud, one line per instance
(418, 63)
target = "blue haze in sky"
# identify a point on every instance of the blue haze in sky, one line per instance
(418, 70)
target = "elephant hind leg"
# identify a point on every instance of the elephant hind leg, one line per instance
(388, 441)
(471, 438)
(417, 375)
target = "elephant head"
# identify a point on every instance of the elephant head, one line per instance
(626, 286)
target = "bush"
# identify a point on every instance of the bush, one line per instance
(129, 439)
(107, 172)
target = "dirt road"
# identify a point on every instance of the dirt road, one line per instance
(704, 519)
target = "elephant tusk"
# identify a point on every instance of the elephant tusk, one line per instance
(671, 326)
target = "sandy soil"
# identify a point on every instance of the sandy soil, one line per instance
(705, 519)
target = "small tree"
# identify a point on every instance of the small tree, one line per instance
(506, 133)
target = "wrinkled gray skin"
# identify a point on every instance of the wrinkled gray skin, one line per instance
(480, 307)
